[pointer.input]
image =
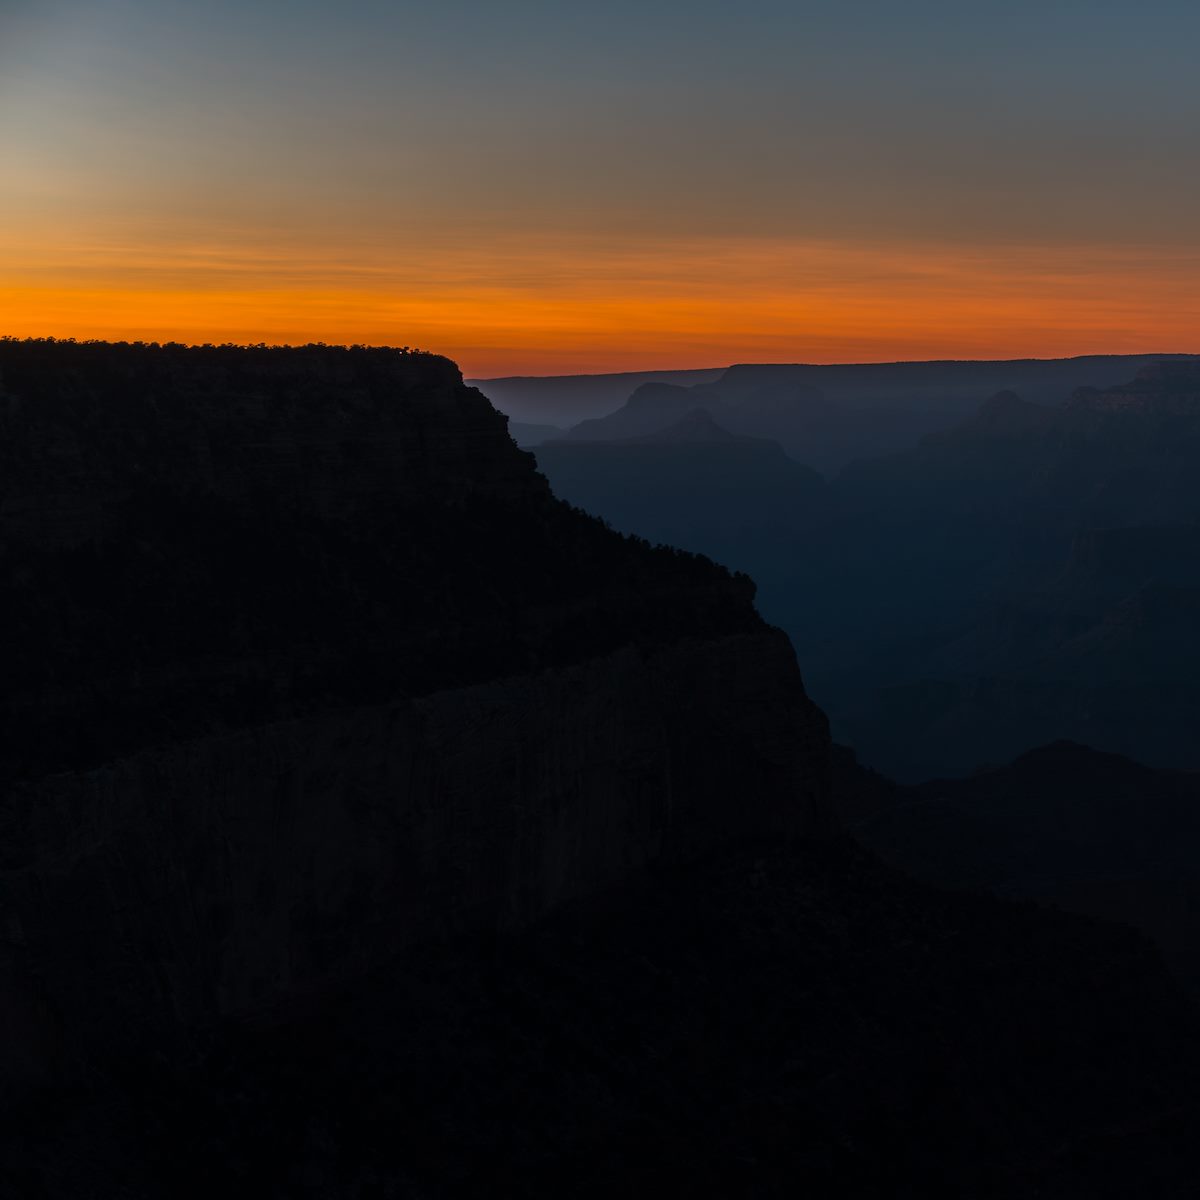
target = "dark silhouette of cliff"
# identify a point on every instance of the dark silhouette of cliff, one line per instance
(763, 1021)
(261, 533)
(374, 823)
(305, 663)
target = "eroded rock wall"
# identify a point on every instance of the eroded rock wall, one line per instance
(309, 666)
(143, 901)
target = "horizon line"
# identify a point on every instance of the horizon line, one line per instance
(472, 379)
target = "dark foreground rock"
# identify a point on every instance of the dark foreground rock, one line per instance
(305, 665)
(765, 1022)
(1065, 825)
(374, 824)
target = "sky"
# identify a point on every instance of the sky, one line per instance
(546, 187)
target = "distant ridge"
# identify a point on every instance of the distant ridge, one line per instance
(1166, 387)
(828, 415)
(568, 399)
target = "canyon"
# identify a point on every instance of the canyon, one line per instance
(373, 822)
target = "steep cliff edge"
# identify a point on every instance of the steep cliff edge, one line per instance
(307, 665)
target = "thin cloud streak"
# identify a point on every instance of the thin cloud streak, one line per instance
(560, 304)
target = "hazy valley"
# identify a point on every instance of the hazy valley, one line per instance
(1024, 572)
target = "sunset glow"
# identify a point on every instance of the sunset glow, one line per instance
(560, 307)
(568, 201)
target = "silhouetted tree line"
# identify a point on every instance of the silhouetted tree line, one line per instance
(239, 348)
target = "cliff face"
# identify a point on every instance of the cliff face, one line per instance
(194, 540)
(309, 666)
(327, 432)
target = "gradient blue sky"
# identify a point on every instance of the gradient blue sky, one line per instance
(539, 187)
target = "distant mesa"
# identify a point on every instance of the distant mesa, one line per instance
(826, 416)
(696, 426)
(1006, 412)
(1171, 387)
(829, 416)
(567, 399)
(652, 407)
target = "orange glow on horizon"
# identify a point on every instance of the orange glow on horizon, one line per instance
(570, 305)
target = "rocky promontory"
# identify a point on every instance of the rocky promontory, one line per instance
(305, 664)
